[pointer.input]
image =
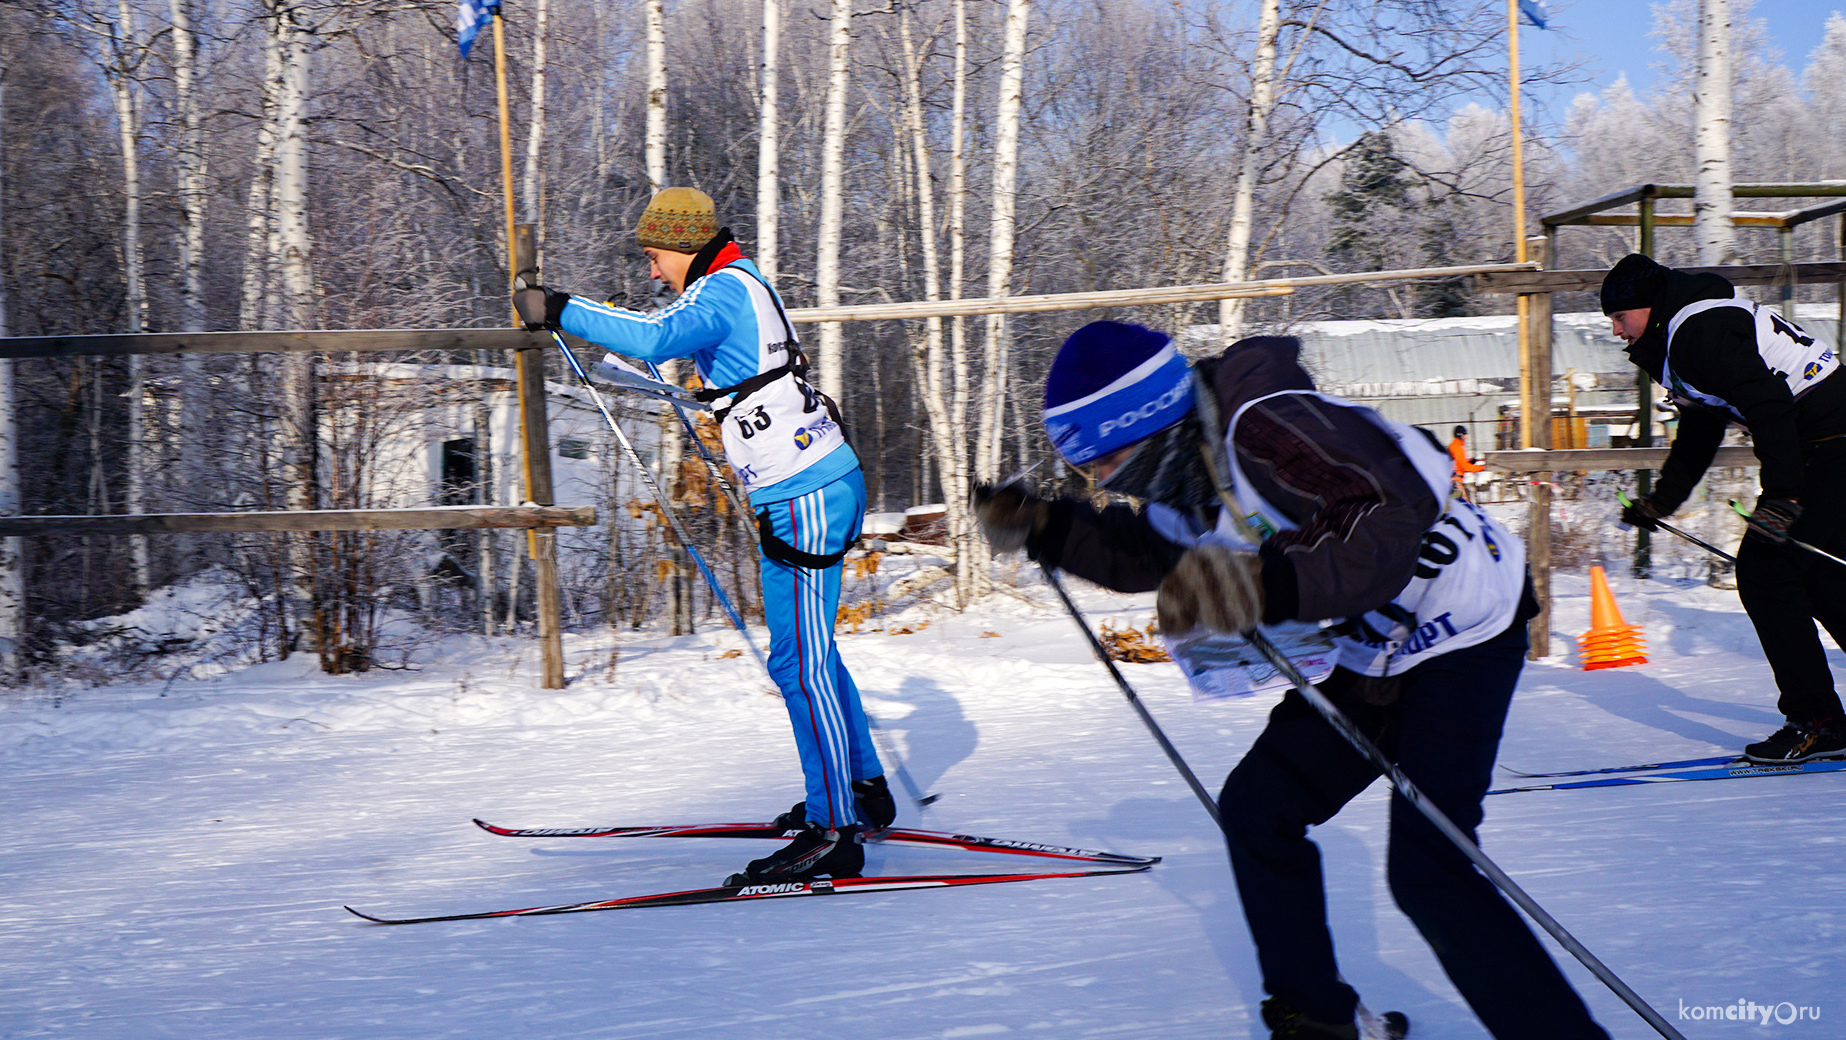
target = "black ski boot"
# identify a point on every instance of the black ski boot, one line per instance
(1285, 1023)
(877, 810)
(814, 852)
(1799, 742)
(794, 819)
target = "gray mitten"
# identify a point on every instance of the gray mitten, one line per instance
(1212, 587)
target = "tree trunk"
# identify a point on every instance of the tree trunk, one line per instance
(290, 200)
(257, 308)
(535, 129)
(12, 563)
(1000, 238)
(656, 142)
(123, 60)
(945, 436)
(832, 201)
(768, 143)
(1256, 137)
(193, 407)
(1711, 201)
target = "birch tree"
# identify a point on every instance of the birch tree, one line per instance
(12, 563)
(1000, 236)
(1243, 194)
(290, 204)
(928, 363)
(535, 125)
(832, 199)
(1711, 200)
(768, 143)
(656, 141)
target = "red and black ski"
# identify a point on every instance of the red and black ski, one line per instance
(889, 836)
(767, 890)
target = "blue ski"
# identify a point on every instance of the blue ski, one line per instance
(1687, 763)
(1733, 771)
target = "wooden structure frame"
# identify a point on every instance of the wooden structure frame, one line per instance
(540, 516)
(1540, 288)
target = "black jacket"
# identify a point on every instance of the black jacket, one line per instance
(1716, 352)
(1360, 504)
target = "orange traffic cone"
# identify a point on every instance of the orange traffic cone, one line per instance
(1610, 642)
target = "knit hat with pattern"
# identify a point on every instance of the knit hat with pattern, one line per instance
(679, 219)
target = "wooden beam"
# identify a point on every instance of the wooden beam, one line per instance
(1587, 460)
(332, 340)
(370, 340)
(1589, 281)
(433, 518)
(1132, 297)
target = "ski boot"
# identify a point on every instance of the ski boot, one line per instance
(1285, 1023)
(877, 809)
(836, 853)
(1799, 742)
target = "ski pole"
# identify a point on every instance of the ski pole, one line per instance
(1750, 518)
(666, 507)
(1361, 743)
(1622, 497)
(711, 464)
(1115, 673)
(711, 580)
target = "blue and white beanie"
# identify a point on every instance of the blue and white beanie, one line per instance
(1113, 384)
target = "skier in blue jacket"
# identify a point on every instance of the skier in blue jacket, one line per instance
(783, 441)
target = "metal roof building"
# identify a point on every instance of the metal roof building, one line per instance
(1445, 372)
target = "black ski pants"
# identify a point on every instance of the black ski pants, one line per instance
(1785, 589)
(1443, 730)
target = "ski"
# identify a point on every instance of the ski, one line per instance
(767, 890)
(1686, 763)
(889, 836)
(1733, 771)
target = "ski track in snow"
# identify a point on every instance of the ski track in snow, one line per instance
(177, 864)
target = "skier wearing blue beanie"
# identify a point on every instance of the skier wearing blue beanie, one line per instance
(1266, 501)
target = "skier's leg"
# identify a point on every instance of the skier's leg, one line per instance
(1773, 583)
(1451, 711)
(1298, 773)
(799, 604)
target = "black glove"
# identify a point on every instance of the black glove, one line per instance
(1645, 514)
(1212, 587)
(1773, 518)
(538, 307)
(1009, 515)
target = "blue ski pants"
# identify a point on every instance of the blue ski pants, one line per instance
(831, 732)
(1443, 731)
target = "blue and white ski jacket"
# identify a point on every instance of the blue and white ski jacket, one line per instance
(779, 439)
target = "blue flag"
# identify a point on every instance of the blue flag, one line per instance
(1533, 10)
(470, 17)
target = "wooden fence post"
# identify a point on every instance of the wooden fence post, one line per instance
(1538, 410)
(541, 542)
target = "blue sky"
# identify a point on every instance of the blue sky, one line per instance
(1614, 36)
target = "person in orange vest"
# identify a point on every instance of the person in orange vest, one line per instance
(1458, 450)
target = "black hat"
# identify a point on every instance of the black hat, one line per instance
(1461, 431)
(1632, 283)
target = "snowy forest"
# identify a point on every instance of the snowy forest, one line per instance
(203, 165)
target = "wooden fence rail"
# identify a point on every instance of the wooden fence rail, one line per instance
(432, 518)
(1584, 460)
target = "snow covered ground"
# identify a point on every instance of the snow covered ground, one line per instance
(178, 856)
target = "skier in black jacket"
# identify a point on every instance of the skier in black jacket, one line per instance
(1267, 501)
(1726, 360)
